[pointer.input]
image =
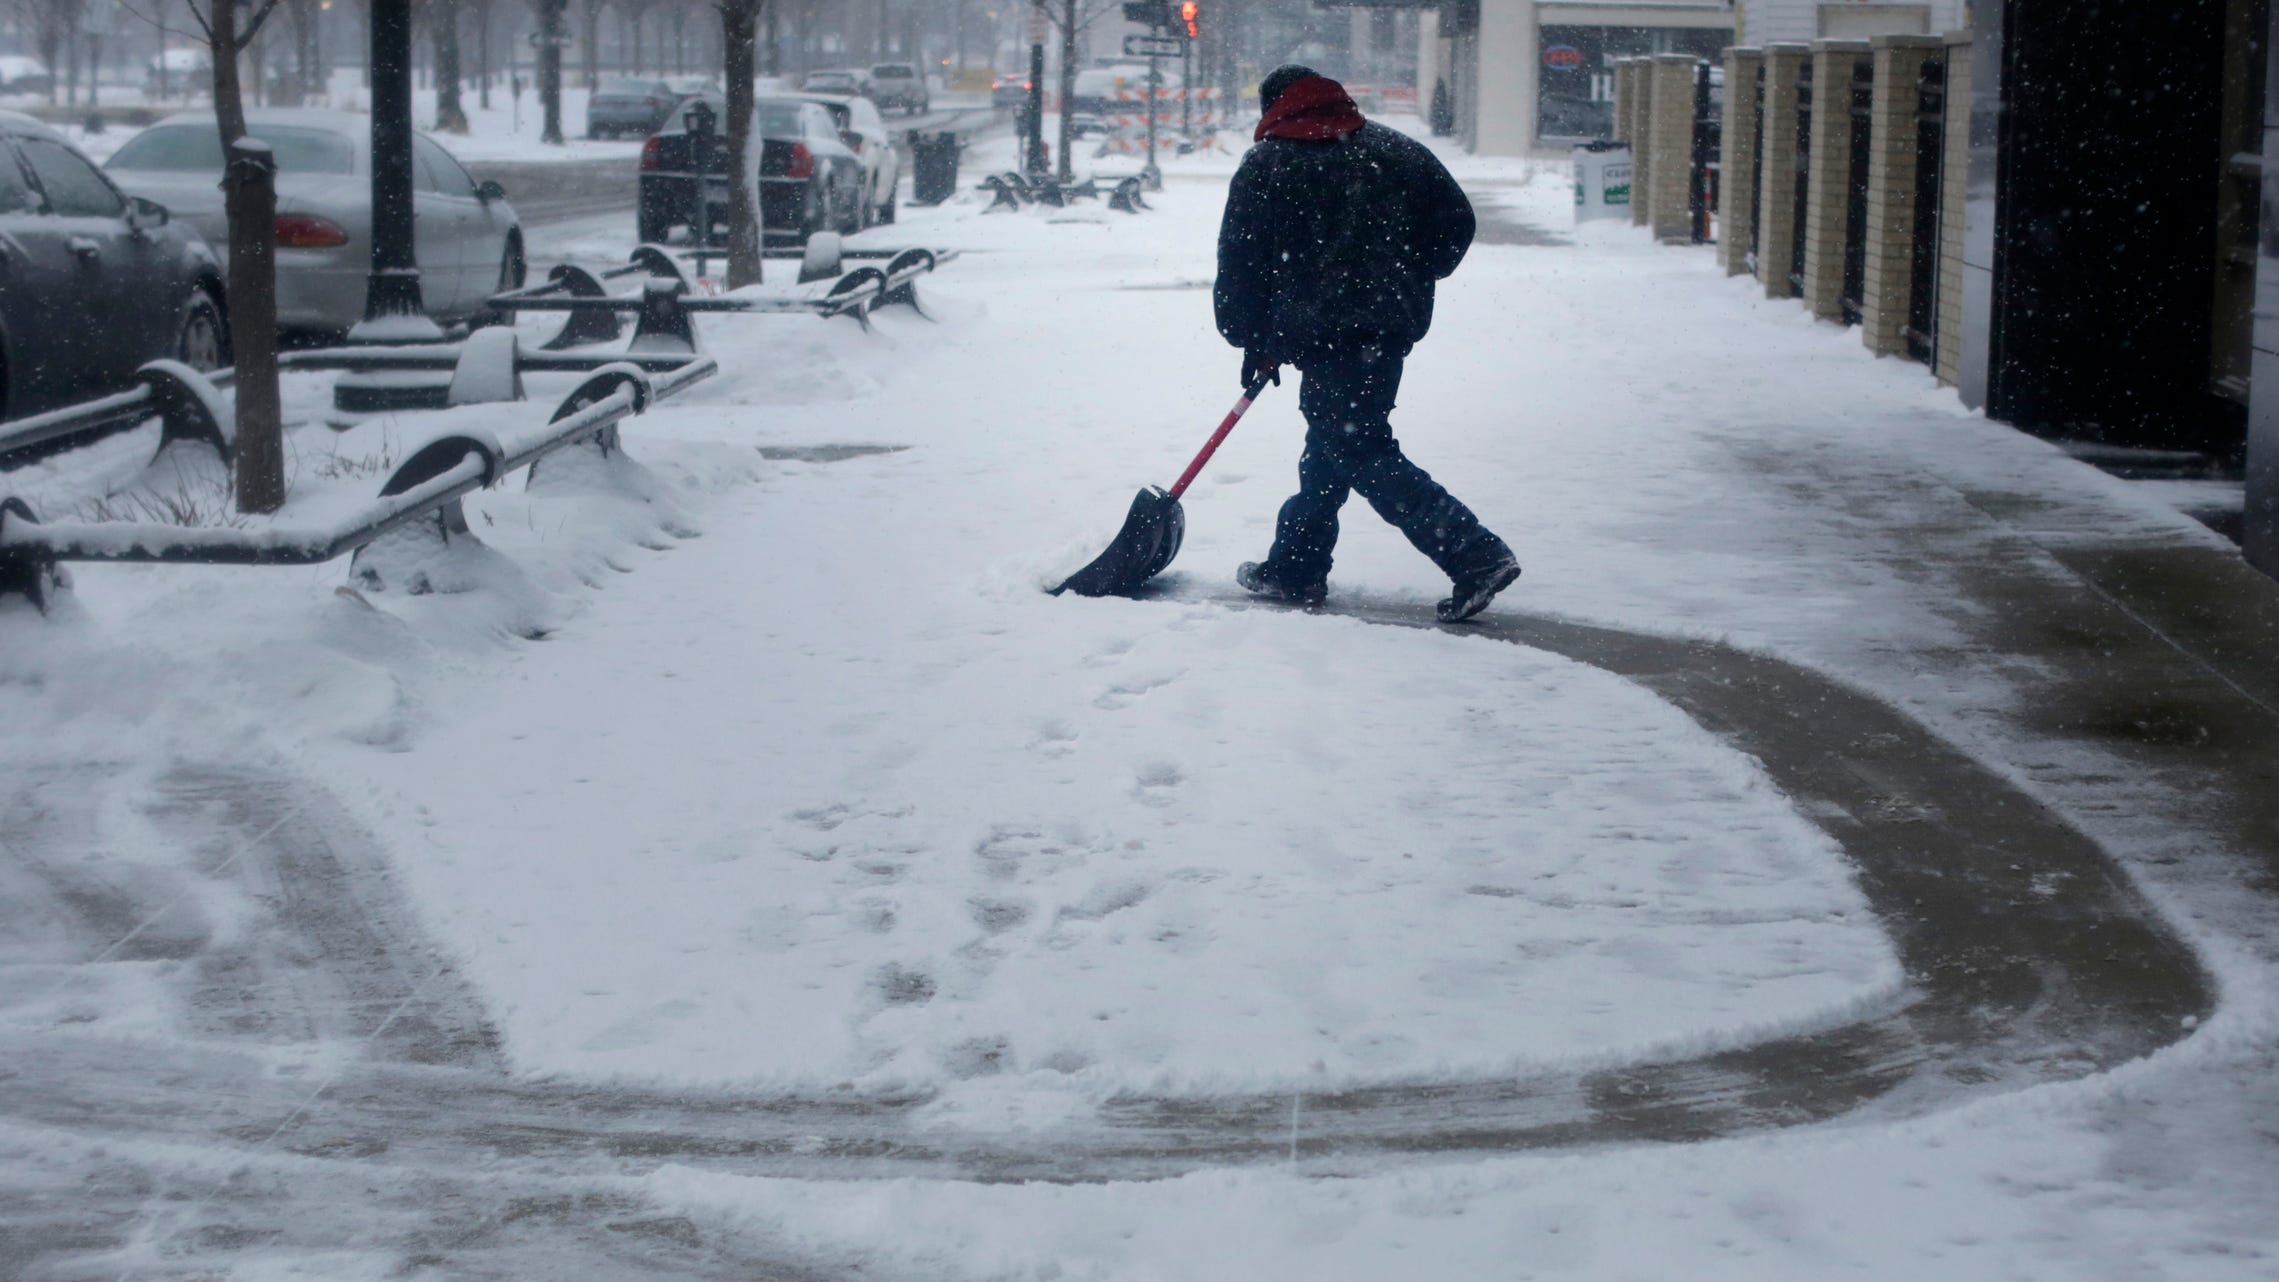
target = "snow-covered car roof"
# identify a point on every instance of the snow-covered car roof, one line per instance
(17, 122)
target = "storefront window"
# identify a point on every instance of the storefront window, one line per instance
(1575, 87)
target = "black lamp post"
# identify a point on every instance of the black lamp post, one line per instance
(393, 309)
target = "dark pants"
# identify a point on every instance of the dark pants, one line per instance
(1347, 398)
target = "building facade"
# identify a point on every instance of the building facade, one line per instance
(1763, 22)
(1526, 74)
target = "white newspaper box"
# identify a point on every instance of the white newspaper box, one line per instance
(1602, 181)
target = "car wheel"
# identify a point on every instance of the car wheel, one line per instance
(201, 343)
(886, 207)
(654, 226)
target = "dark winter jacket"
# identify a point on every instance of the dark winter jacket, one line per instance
(1335, 231)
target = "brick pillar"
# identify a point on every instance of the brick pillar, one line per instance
(1642, 140)
(1954, 188)
(1828, 203)
(1625, 99)
(1737, 160)
(1670, 139)
(1777, 176)
(1891, 230)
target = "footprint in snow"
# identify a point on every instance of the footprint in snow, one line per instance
(1158, 783)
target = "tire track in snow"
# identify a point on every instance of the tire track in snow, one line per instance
(2029, 958)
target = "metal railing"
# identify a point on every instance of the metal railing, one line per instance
(428, 486)
(665, 303)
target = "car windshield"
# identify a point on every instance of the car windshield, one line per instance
(891, 73)
(198, 149)
(632, 88)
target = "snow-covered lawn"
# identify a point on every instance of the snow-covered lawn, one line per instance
(832, 793)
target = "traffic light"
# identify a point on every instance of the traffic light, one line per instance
(1190, 17)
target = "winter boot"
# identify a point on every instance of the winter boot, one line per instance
(1252, 575)
(1473, 591)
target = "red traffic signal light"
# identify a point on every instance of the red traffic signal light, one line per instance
(1189, 12)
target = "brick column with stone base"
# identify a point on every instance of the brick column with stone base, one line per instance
(1828, 205)
(1888, 294)
(1954, 189)
(1670, 139)
(1776, 168)
(1737, 160)
(1641, 139)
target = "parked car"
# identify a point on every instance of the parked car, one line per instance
(899, 84)
(465, 235)
(865, 133)
(808, 180)
(636, 107)
(20, 73)
(836, 81)
(1101, 96)
(93, 282)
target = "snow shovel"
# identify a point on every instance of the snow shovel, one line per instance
(1155, 525)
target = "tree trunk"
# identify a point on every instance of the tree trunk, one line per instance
(443, 23)
(95, 69)
(251, 199)
(51, 46)
(774, 52)
(738, 29)
(550, 68)
(589, 33)
(483, 53)
(1068, 85)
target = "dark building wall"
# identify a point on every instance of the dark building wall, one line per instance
(2096, 318)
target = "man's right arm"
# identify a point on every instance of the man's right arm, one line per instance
(1245, 244)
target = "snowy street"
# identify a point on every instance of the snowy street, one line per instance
(1827, 860)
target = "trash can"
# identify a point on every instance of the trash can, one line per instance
(1602, 180)
(933, 167)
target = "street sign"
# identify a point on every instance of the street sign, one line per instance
(1153, 46)
(539, 40)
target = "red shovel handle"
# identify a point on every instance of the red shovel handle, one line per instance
(1226, 425)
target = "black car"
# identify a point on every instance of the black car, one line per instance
(93, 283)
(808, 179)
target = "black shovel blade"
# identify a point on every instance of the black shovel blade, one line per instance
(1152, 532)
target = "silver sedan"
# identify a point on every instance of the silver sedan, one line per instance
(467, 238)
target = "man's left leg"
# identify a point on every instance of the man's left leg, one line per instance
(1351, 401)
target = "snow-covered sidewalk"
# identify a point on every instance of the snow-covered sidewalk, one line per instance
(832, 796)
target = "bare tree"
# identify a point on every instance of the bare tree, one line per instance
(589, 40)
(633, 11)
(739, 23)
(443, 29)
(52, 23)
(249, 181)
(549, 38)
(482, 11)
(1071, 18)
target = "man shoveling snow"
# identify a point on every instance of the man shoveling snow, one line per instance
(1335, 231)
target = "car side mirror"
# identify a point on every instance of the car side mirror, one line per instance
(143, 215)
(489, 190)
